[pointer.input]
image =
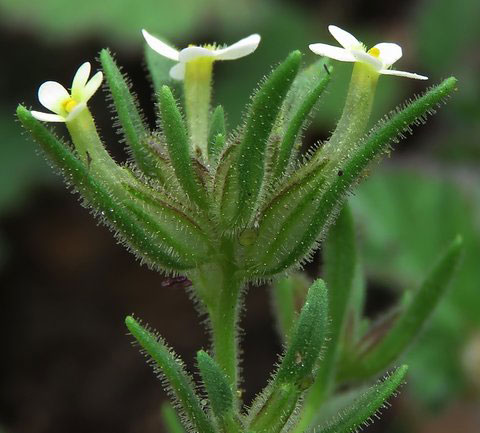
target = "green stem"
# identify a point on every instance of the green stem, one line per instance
(198, 89)
(355, 116)
(219, 287)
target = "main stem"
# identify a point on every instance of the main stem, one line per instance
(219, 287)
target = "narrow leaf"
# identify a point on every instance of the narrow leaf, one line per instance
(179, 384)
(178, 146)
(129, 116)
(358, 414)
(379, 355)
(265, 108)
(295, 373)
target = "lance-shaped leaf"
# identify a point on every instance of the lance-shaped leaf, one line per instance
(170, 419)
(216, 133)
(219, 392)
(130, 117)
(178, 147)
(176, 381)
(340, 180)
(261, 118)
(296, 370)
(339, 254)
(376, 354)
(358, 414)
(111, 209)
(306, 90)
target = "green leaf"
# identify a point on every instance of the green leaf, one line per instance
(129, 116)
(372, 358)
(170, 419)
(296, 371)
(176, 380)
(342, 177)
(125, 225)
(265, 108)
(219, 392)
(178, 146)
(356, 415)
(216, 134)
(306, 90)
(339, 256)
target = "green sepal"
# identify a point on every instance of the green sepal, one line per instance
(358, 413)
(296, 371)
(129, 116)
(159, 68)
(178, 146)
(343, 176)
(216, 134)
(339, 255)
(99, 197)
(261, 118)
(374, 357)
(288, 294)
(170, 419)
(176, 381)
(219, 392)
(306, 90)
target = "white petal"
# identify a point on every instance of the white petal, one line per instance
(333, 52)
(160, 47)
(194, 52)
(91, 87)
(177, 72)
(242, 48)
(403, 74)
(389, 53)
(363, 57)
(51, 95)
(76, 111)
(345, 39)
(47, 117)
(80, 79)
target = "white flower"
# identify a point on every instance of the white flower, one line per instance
(65, 105)
(242, 48)
(380, 57)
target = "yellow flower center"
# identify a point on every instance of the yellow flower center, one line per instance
(374, 52)
(69, 105)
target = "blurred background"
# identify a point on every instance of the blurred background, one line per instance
(66, 286)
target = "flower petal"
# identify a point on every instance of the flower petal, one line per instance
(76, 111)
(389, 53)
(160, 47)
(80, 79)
(51, 95)
(91, 87)
(363, 57)
(345, 39)
(177, 72)
(47, 117)
(239, 49)
(194, 52)
(403, 74)
(333, 52)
